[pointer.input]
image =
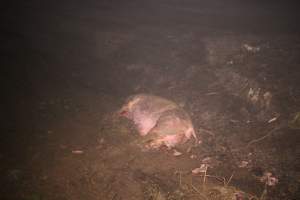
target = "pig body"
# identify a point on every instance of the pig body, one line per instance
(160, 121)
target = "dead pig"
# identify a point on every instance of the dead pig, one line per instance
(160, 121)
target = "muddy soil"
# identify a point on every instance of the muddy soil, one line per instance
(67, 67)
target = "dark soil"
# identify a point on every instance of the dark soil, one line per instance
(68, 66)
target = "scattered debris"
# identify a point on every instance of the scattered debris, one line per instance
(101, 141)
(211, 93)
(230, 62)
(206, 131)
(253, 95)
(295, 122)
(273, 119)
(239, 196)
(263, 137)
(176, 153)
(267, 96)
(251, 49)
(201, 169)
(243, 164)
(179, 173)
(269, 179)
(234, 121)
(230, 178)
(221, 192)
(206, 160)
(259, 98)
(77, 151)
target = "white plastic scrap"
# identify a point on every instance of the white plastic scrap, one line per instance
(251, 48)
(243, 164)
(77, 151)
(176, 153)
(201, 169)
(273, 119)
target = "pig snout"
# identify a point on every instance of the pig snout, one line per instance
(123, 113)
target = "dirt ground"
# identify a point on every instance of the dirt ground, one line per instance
(68, 66)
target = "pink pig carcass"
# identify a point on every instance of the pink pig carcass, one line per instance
(160, 120)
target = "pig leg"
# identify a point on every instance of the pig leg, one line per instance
(154, 144)
(172, 140)
(169, 141)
